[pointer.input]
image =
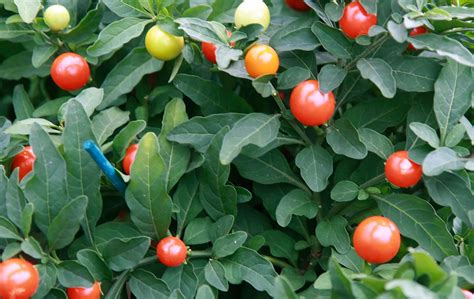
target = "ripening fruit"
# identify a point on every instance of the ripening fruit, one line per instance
(414, 32)
(85, 293)
(24, 160)
(70, 71)
(163, 45)
(401, 171)
(129, 158)
(171, 251)
(57, 17)
(18, 279)
(252, 12)
(309, 105)
(468, 294)
(261, 60)
(356, 21)
(377, 239)
(209, 49)
(298, 5)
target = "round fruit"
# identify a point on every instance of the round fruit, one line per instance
(261, 60)
(282, 95)
(468, 294)
(18, 279)
(57, 17)
(309, 105)
(414, 32)
(130, 155)
(377, 239)
(298, 5)
(85, 293)
(356, 20)
(171, 251)
(70, 71)
(252, 12)
(163, 45)
(401, 171)
(209, 49)
(24, 161)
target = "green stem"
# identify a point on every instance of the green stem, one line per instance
(375, 180)
(277, 262)
(367, 51)
(116, 288)
(200, 253)
(146, 261)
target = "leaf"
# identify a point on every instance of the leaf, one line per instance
(376, 143)
(315, 165)
(95, 263)
(47, 273)
(332, 232)
(443, 46)
(90, 98)
(175, 156)
(296, 35)
(15, 68)
(215, 275)
(425, 133)
(199, 131)
(225, 56)
(417, 220)
(197, 231)
(296, 202)
(332, 40)
(87, 25)
(292, 77)
(8, 230)
(106, 122)
(201, 30)
(71, 274)
(41, 54)
(127, 74)
(65, 225)
(248, 265)
(452, 96)
(455, 136)
(144, 284)
(380, 73)
(221, 227)
(46, 190)
(205, 292)
(415, 74)
(21, 103)
(441, 160)
(186, 198)
(283, 289)
(410, 289)
(344, 191)
(123, 254)
(23, 127)
(450, 190)
(14, 199)
(182, 278)
(344, 140)
(116, 34)
(330, 77)
(123, 139)
(254, 128)
(340, 283)
(28, 9)
(146, 195)
(121, 9)
(281, 245)
(32, 247)
(228, 244)
(11, 31)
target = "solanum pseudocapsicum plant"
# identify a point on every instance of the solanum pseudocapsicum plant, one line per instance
(356, 183)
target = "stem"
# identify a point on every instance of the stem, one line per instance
(116, 288)
(373, 181)
(292, 122)
(200, 253)
(367, 51)
(277, 262)
(146, 261)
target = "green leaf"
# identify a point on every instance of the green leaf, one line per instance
(425, 133)
(226, 55)
(202, 30)
(296, 202)
(443, 46)
(41, 54)
(455, 136)
(205, 292)
(28, 9)
(21, 103)
(127, 74)
(95, 264)
(344, 140)
(90, 98)
(146, 195)
(47, 274)
(283, 289)
(410, 289)
(10, 251)
(199, 131)
(198, 11)
(15, 68)
(292, 77)
(65, 225)
(296, 35)
(248, 265)
(116, 34)
(380, 73)
(71, 274)
(340, 283)
(182, 278)
(254, 128)
(330, 77)
(144, 284)
(175, 156)
(450, 190)
(332, 232)
(228, 244)
(344, 191)
(87, 25)
(27, 219)
(281, 245)
(441, 160)
(11, 31)
(376, 143)
(123, 254)
(8, 230)
(197, 231)
(32, 247)
(415, 74)
(24, 127)
(106, 122)
(221, 227)
(426, 265)
(332, 40)
(315, 164)
(215, 275)
(417, 220)
(186, 198)
(14, 199)
(46, 190)
(123, 139)
(452, 96)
